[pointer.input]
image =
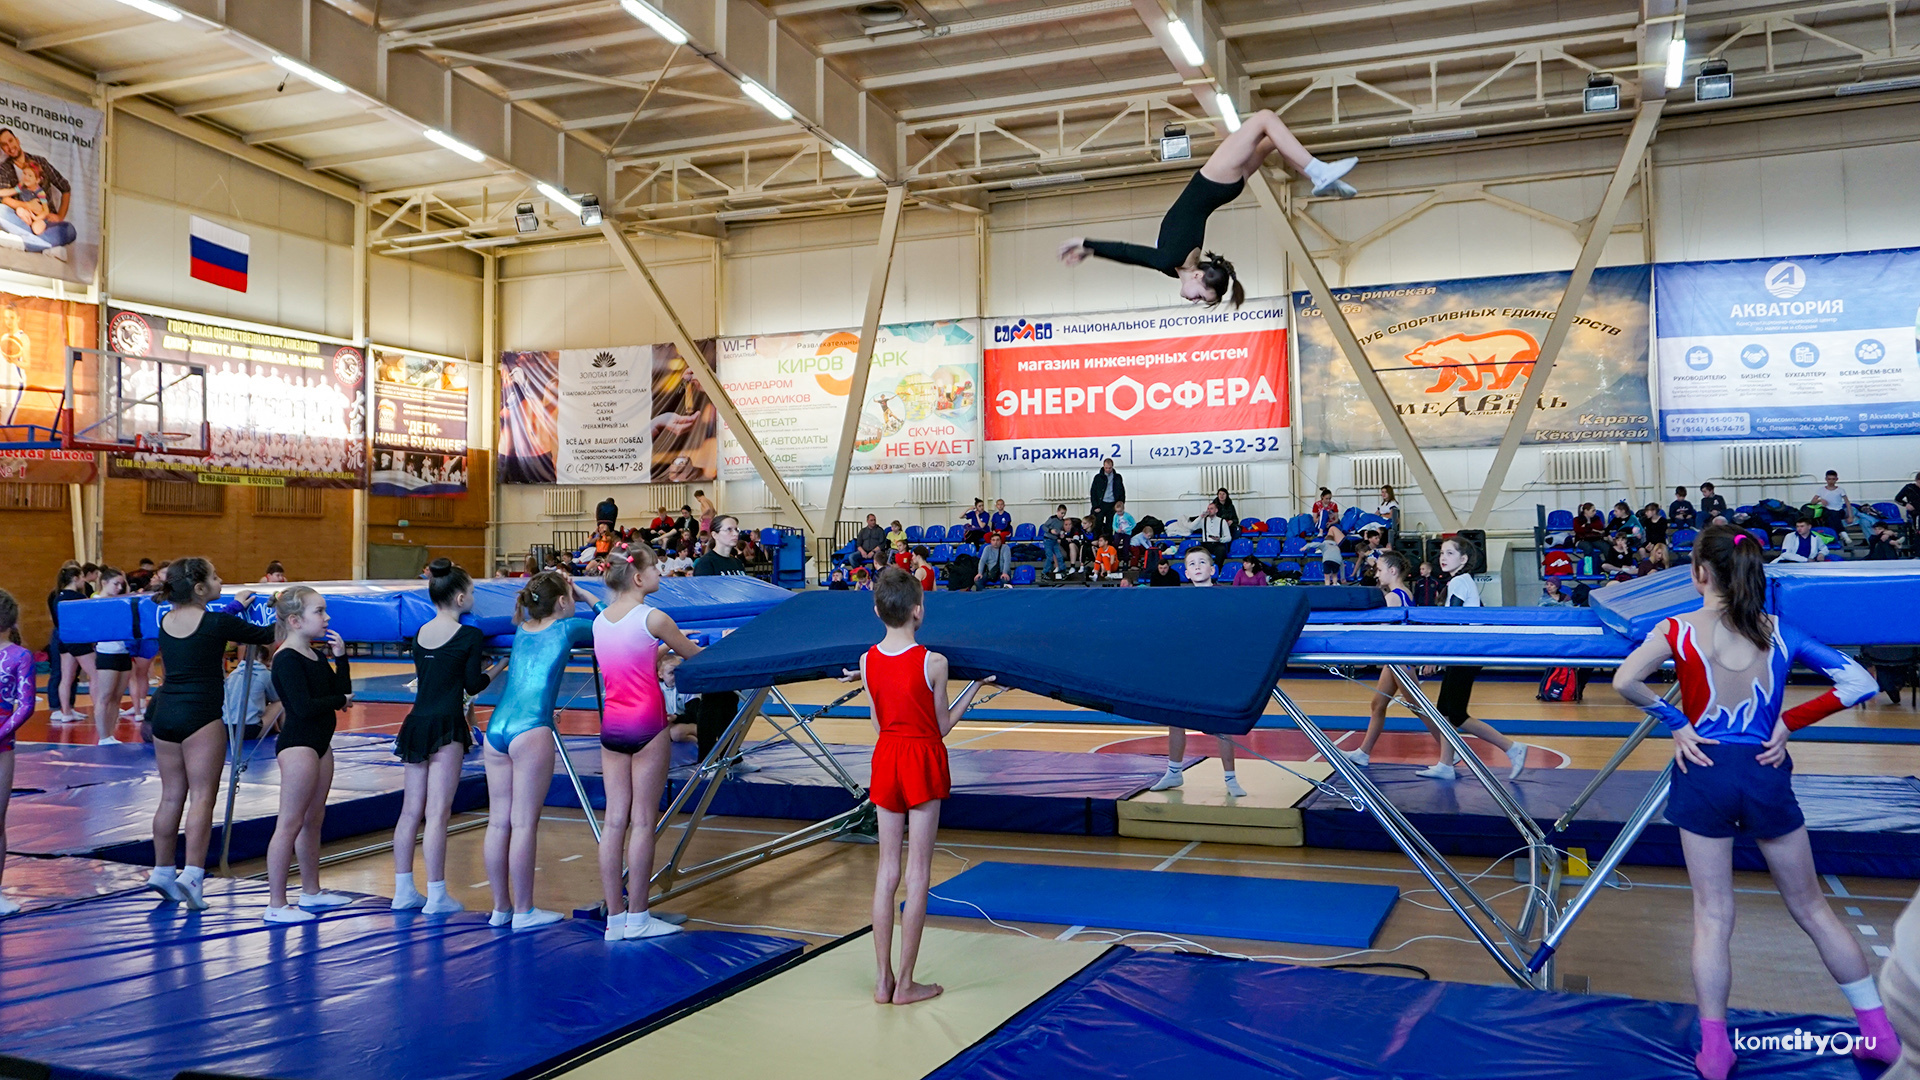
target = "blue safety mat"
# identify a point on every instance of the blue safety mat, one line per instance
(36, 884)
(1033, 791)
(1839, 603)
(1865, 825)
(576, 690)
(114, 820)
(125, 987)
(1138, 1016)
(1527, 637)
(1038, 640)
(1214, 905)
(59, 766)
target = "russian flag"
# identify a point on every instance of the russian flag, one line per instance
(219, 254)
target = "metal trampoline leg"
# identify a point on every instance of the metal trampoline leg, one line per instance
(236, 741)
(1529, 829)
(713, 772)
(1613, 764)
(1649, 808)
(579, 788)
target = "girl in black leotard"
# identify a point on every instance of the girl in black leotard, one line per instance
(1180, 253)
(435, 737)
(313, 691)
(189, 741)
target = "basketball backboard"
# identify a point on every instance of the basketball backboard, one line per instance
(135, 404)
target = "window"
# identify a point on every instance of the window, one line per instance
(288, 502)
(175, 497)
(22, 496)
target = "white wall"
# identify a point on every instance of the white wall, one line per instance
(300, 267)
(431, 302)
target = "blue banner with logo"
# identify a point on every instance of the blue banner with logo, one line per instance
(1457, 357)
(1816, 346)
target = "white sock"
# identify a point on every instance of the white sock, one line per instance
(499, 918)
(617, 926)
(644, 925)
(526, 920)
(404, 882)
(1233, 786)
(8, 907)
(287, 915)
(164, 873)
(436, 890)
(438, 902)
(192, 876)
(324, 900)
(1861, 994)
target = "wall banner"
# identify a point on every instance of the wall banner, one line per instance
(625, 414)
(1142, 387)
(1456, 357)
(1816, 346)
(34, 336)
(921, 413)
(419, 424)
(49, 185)
(287, 409)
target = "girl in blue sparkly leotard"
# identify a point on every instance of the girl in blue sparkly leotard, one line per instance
(519, 743)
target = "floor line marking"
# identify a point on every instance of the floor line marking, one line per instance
(1177, 856)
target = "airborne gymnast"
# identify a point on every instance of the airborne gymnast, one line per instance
(1204, 276)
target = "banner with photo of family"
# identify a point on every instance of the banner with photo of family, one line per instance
(624, 414)
(921, 412)
(1811, 347)
(50, 152)
(286, 409)
(34, 336)
(1456, 358)
(1162, 387)
(419, 424)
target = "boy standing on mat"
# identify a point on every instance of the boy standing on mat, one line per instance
(907, 685)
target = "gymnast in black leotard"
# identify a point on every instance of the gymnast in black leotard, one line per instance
(1181, 250)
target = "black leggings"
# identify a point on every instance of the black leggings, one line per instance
(1456, 688)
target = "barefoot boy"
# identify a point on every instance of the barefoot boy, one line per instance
(908, 688)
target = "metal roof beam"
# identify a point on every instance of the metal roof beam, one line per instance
(915, 77)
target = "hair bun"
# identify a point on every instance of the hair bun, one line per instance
(440, 567)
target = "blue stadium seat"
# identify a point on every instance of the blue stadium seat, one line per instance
(849, 549)
(1887, 511)
(1350, 519)
(968, 549)
(1295, 545)
(1025, 533)
(1228, 571)
(1560, 521)
(1361, 521)
(1302, 525)
(1267, 548)
(934, 534)
(915, 534)
(1278, 526)
(1185, 546)
(1310, 572)
(941, 553)
(1250, 523)
(1240, 548)
(1023, 575)
(1682, 539)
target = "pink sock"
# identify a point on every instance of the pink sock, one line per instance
(1886, 1044)
(1715, 1059)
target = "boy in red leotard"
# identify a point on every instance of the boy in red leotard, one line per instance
(908, 687)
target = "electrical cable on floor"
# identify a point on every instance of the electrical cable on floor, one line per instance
(763, 926)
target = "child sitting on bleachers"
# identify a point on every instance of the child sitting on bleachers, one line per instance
(1106, 560)
(1680, 511)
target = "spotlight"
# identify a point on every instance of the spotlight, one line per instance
(1713, 83)
(1174, 143)
(524, 219)
(1601, 95)
(590, 210)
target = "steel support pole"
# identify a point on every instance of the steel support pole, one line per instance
(236, 739)
(1598, 230)
(863, 360)
(1649, 808)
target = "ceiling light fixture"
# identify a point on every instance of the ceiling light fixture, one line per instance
(855, 162)
(1183, 37)
(155, 9)
(324, 82)
(655, 21)
(1878, 86)
(1049, 180)
(1676, 62)
(524, 219)
(1713, 83)
(742, 215)
(558, 197)
(590, 215)
(1421, 137)
(1601, 95)
(1228, 114)
(448, 142)
(766, 100)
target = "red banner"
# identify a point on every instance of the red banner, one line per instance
(1133, 387)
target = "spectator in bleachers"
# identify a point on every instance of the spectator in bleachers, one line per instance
(871, 541)
(686, 522)
(1216, 532)
(1074, 539)
(1801, 545)
(996, 563)
(1553, 595)
(1373, 538)
(679, 563)
(1223, 506)
(662, 521)
(1325, 511)
(922, 569)
(602, 538)
(607, 513)
(1653, 524)
(749, 551)
(1167, 572)
(1832, 500)
(1002, 522)
(1389, 506)
(1123, 523)
(1106, 559)
(1885, 542)
(1711, 505)
(1680, 511)
(1619, 561)
(1108, 489)
(837, 580)
(975, 522)
(1427, 588)
(1653, 559)
(1251, 572)
(1908, 500)
(1053, 553)
(1622, 519)
(1142, 551)
(1333, 562)
(896, 533)
(1589, 529)
(900, 556)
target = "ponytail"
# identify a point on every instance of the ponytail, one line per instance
(446, 581)
(625, 566)
(288, 603)
(1733, 560)
(10, 617)
(1217, 274)
(540, 596)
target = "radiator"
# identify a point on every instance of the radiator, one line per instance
(1237, 479)
(934, 490)
(1577, 465)
(1068, 486)
(1372, 471)
(671, 496)
(566, 502)
(1760, 461)
(770, 501)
